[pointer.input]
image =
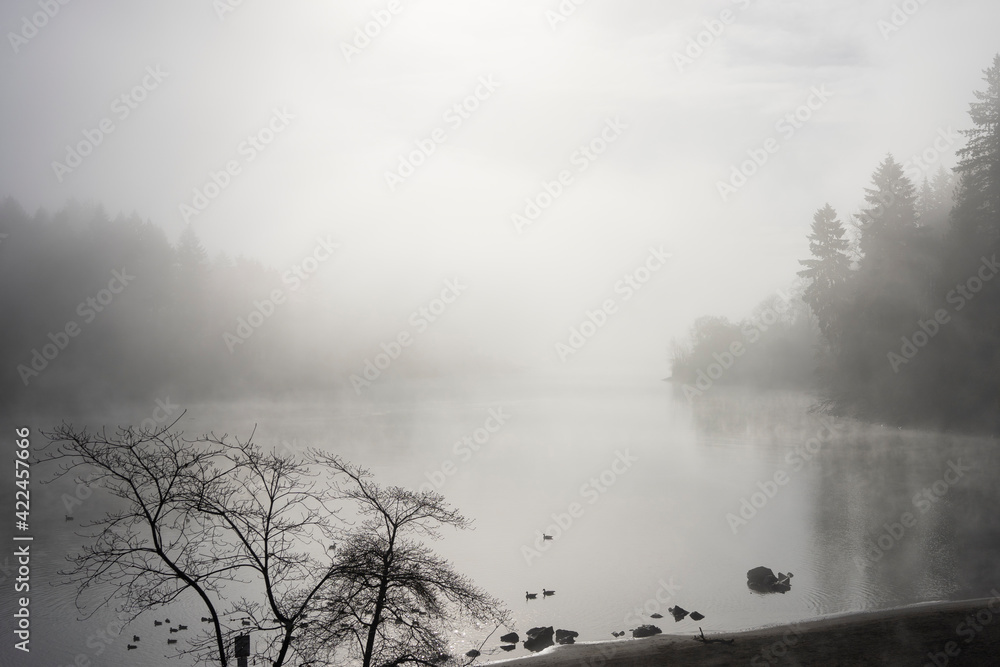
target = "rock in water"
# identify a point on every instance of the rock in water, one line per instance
(646, 631)
(508, 647)
(566, 636)
(695, 616)
(760, 577)
(763, 580)
(678, 612)
(472, 654)
(656, 615)
(539, 639)
(510, 638)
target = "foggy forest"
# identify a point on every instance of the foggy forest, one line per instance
(462, 333)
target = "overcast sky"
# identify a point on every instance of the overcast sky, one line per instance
(339, 113)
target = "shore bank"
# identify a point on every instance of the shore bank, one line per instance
(936, 634)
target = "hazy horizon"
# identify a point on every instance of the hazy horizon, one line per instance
(461, 244)
(341, 118)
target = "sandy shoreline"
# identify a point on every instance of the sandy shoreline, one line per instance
(966, 632)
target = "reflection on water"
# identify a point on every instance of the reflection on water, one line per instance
(864, 517)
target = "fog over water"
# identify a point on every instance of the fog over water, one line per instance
(656, 184)
(691, 287)
(666, 529)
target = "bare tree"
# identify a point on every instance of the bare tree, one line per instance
(394, 599)
(207, 517)
(281, 518)
(256, 536)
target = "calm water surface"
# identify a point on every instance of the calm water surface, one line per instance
(673, 503)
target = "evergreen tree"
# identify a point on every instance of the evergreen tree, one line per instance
(891, 211)
(191, 254)
(943, 186)
(925, 199)
(977, 207)
(972, 338)
(887, 293)
(828, 272)
(934, 201)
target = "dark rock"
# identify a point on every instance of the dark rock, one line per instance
(646, 631)
(695, 616)
(678, 612)
(763, 580)
(472, 654)
(566, 636)
(539, 639)
(656, 615)
(510, 638)
(760, 577)
(508, 647)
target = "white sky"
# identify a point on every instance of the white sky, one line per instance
(655, 185)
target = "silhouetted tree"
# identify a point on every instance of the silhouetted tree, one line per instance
(205, 517)
(972, 340)
(215, 516)
(916, 329)
(977, 206)
(890, 214)
(895, 279)
(394, 597)
(827, 273)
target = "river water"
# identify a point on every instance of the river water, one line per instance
(651, 500)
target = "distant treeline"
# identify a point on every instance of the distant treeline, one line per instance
(906, 309)
(99, 310)
(772, 348)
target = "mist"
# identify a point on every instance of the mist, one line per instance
(220, 76)
(497, 249)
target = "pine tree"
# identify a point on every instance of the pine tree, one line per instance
(891, 211)
(974, 338)
(943, 185)
(934, 201)
(828, 272)
(925, 199)
(977, 207)
(191, 254)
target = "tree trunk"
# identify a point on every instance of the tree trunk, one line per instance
(383, 587)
